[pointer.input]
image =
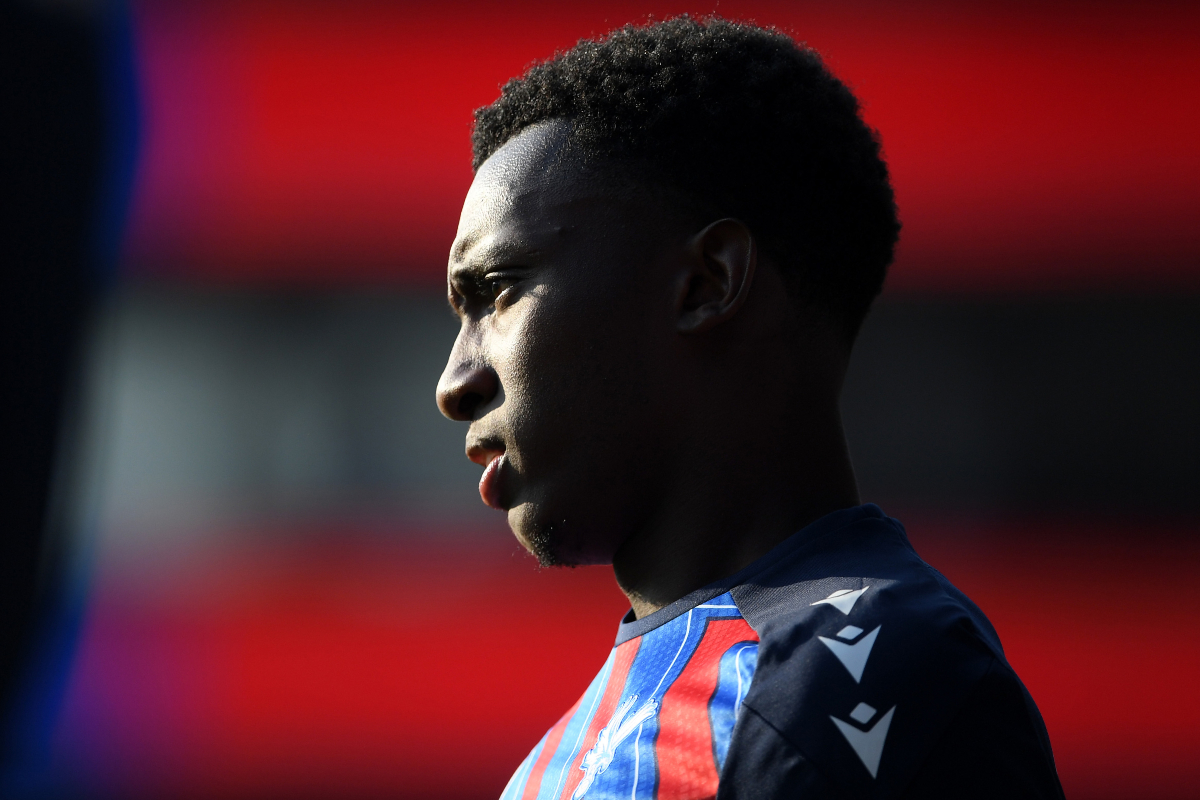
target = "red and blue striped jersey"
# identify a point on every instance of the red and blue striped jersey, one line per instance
(657, 720)
(839, 665)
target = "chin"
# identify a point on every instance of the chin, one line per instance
(553, 541)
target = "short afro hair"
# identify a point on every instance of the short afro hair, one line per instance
(743, 122)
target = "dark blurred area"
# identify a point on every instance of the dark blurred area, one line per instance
(244, 554)
(53, 155)
(1071, 403)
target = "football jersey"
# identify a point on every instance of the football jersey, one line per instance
(837, 665)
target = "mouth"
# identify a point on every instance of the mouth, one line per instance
(490, 456)
(489, 482)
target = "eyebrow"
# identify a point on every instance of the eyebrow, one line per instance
(463, 246)
(470, 272)
(469, 260)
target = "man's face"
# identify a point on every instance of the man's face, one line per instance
(563, 362)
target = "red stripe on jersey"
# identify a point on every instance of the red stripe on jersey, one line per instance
(684, 749)
(622, 661)
(553, 737)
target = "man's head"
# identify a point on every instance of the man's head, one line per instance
(672, 238)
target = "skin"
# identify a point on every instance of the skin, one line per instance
(660, 403)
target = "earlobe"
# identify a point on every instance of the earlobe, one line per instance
(722, 259)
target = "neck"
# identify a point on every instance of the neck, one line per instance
(716, 521)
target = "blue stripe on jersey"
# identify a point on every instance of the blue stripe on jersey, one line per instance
(736, 673)
(555, 775)
(662, 656)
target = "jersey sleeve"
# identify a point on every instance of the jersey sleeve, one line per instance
(765, 766)
(993, 749)
(884, 687)
(996, 747)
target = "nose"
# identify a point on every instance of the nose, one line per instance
(468, 384)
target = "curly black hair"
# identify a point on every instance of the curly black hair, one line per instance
(744, 122)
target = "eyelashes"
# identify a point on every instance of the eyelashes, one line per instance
(496, 285)
(480, 291)
(480, 278)
(492, 286)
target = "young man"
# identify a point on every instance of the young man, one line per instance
(671, 241)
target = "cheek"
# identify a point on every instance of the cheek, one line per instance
(581, 389)
(583, 411)
(549, 387)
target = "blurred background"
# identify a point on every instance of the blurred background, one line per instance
(247, 556)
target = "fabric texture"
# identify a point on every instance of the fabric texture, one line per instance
(838, 665)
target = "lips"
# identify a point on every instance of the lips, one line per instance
(489, 482)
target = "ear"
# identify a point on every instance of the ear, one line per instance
(720, 271)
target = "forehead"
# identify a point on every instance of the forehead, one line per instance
(531, 192)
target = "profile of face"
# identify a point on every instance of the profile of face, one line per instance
(564, 365)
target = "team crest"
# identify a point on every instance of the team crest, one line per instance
(618, 729)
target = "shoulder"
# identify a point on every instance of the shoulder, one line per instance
(858, 607)
(867, 658)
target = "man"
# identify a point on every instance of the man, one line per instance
(672, 238)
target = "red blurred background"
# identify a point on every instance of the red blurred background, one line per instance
(1051, 142)
(362, 642)
(348, 667)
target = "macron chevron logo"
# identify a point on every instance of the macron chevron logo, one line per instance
(853, 656)
(867, 744)
(843, 599)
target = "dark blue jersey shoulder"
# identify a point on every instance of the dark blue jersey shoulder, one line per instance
(876, 678)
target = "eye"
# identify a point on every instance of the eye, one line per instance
(496, 285)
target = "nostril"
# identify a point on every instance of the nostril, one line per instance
(468, 404)
(465, 390)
